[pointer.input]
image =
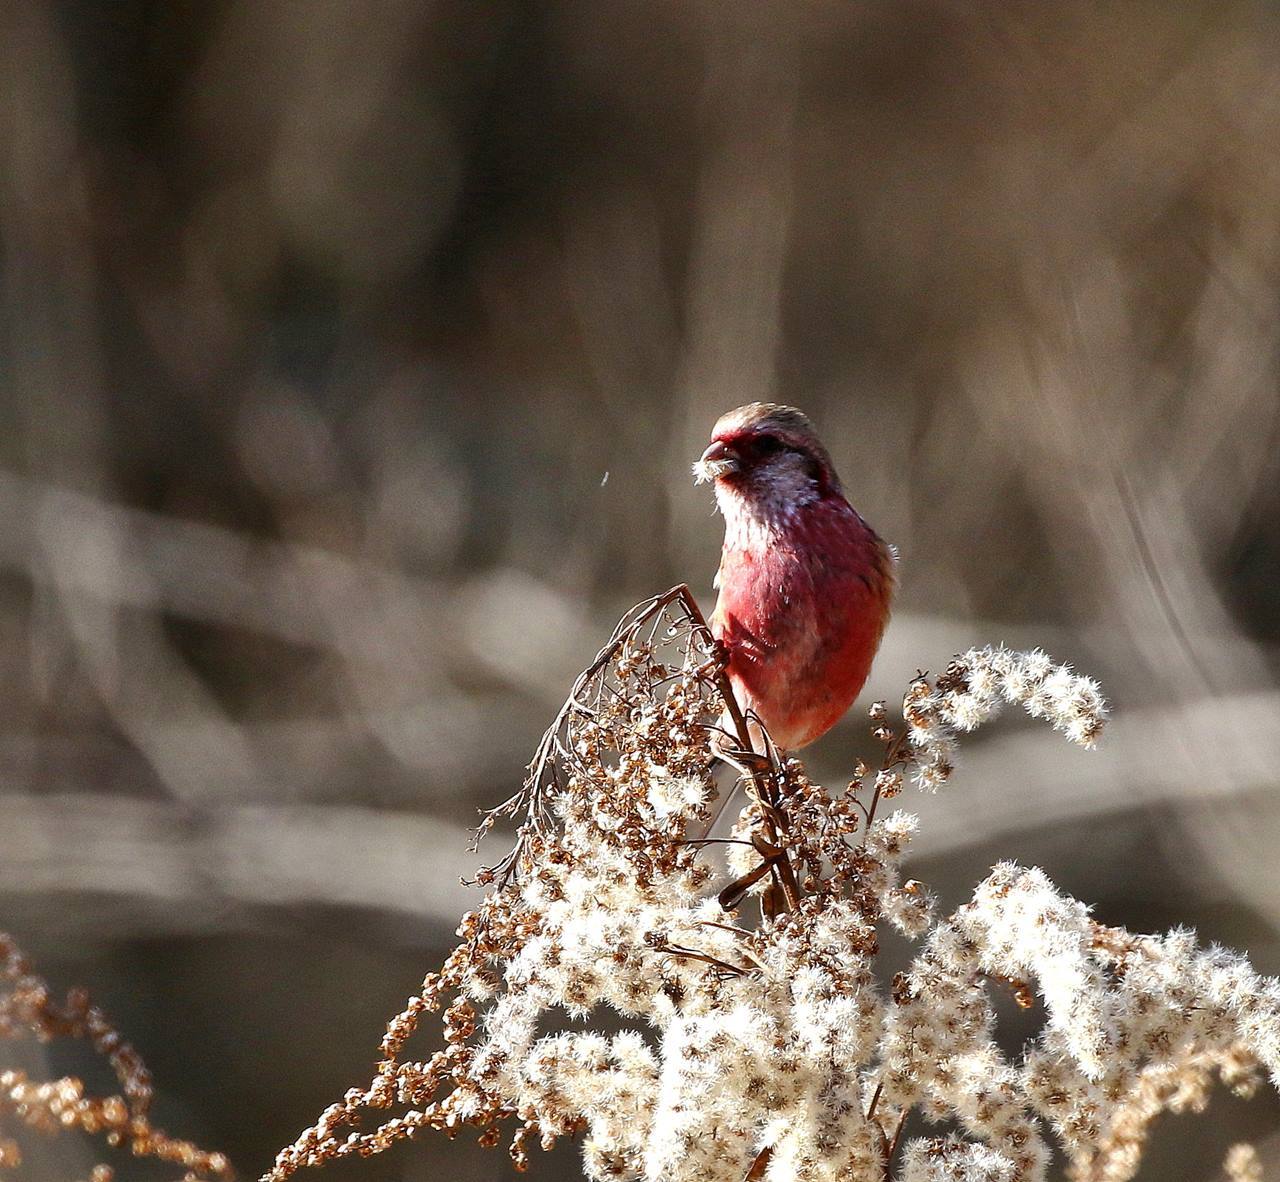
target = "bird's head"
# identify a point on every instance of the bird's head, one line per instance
(768, 456)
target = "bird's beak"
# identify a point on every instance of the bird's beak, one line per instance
(718, 460)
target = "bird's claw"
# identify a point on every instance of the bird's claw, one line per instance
(717, 659)
(750, 762)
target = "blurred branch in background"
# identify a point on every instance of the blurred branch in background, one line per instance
(309, 597)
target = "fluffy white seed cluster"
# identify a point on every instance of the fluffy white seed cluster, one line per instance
(755, 1040)
(1134, 1026)
(952, 1160)
(770, 1047)
(1242, 1164)
(765, 1045)
(977, 685)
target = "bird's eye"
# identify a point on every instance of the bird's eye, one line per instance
(766, 445)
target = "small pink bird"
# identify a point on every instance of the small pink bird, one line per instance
(804, 582)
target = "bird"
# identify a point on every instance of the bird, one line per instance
(804, 584)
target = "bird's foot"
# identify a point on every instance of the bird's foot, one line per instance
(717, 659)
(749, 762)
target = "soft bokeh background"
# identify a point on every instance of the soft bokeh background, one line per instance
(354, 356)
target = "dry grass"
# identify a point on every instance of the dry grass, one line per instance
(53, 1107)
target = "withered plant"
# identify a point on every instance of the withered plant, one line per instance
(28, 1009)
(765, 1048)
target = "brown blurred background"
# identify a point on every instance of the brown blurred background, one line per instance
(354, 356)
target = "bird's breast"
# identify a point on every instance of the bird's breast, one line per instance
(802, 616)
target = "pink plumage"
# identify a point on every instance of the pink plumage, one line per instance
(805, 583)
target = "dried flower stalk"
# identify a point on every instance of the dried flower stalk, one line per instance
(28, 1009)
(765, 1048)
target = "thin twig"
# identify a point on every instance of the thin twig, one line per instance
(893, 1145)
(761, 786)
(875, 1099)
(706, 958)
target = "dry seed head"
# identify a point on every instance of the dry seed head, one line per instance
(762, 1046)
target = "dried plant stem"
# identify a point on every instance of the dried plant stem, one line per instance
(759, 765)
(27, 1007)
(892, 1147)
